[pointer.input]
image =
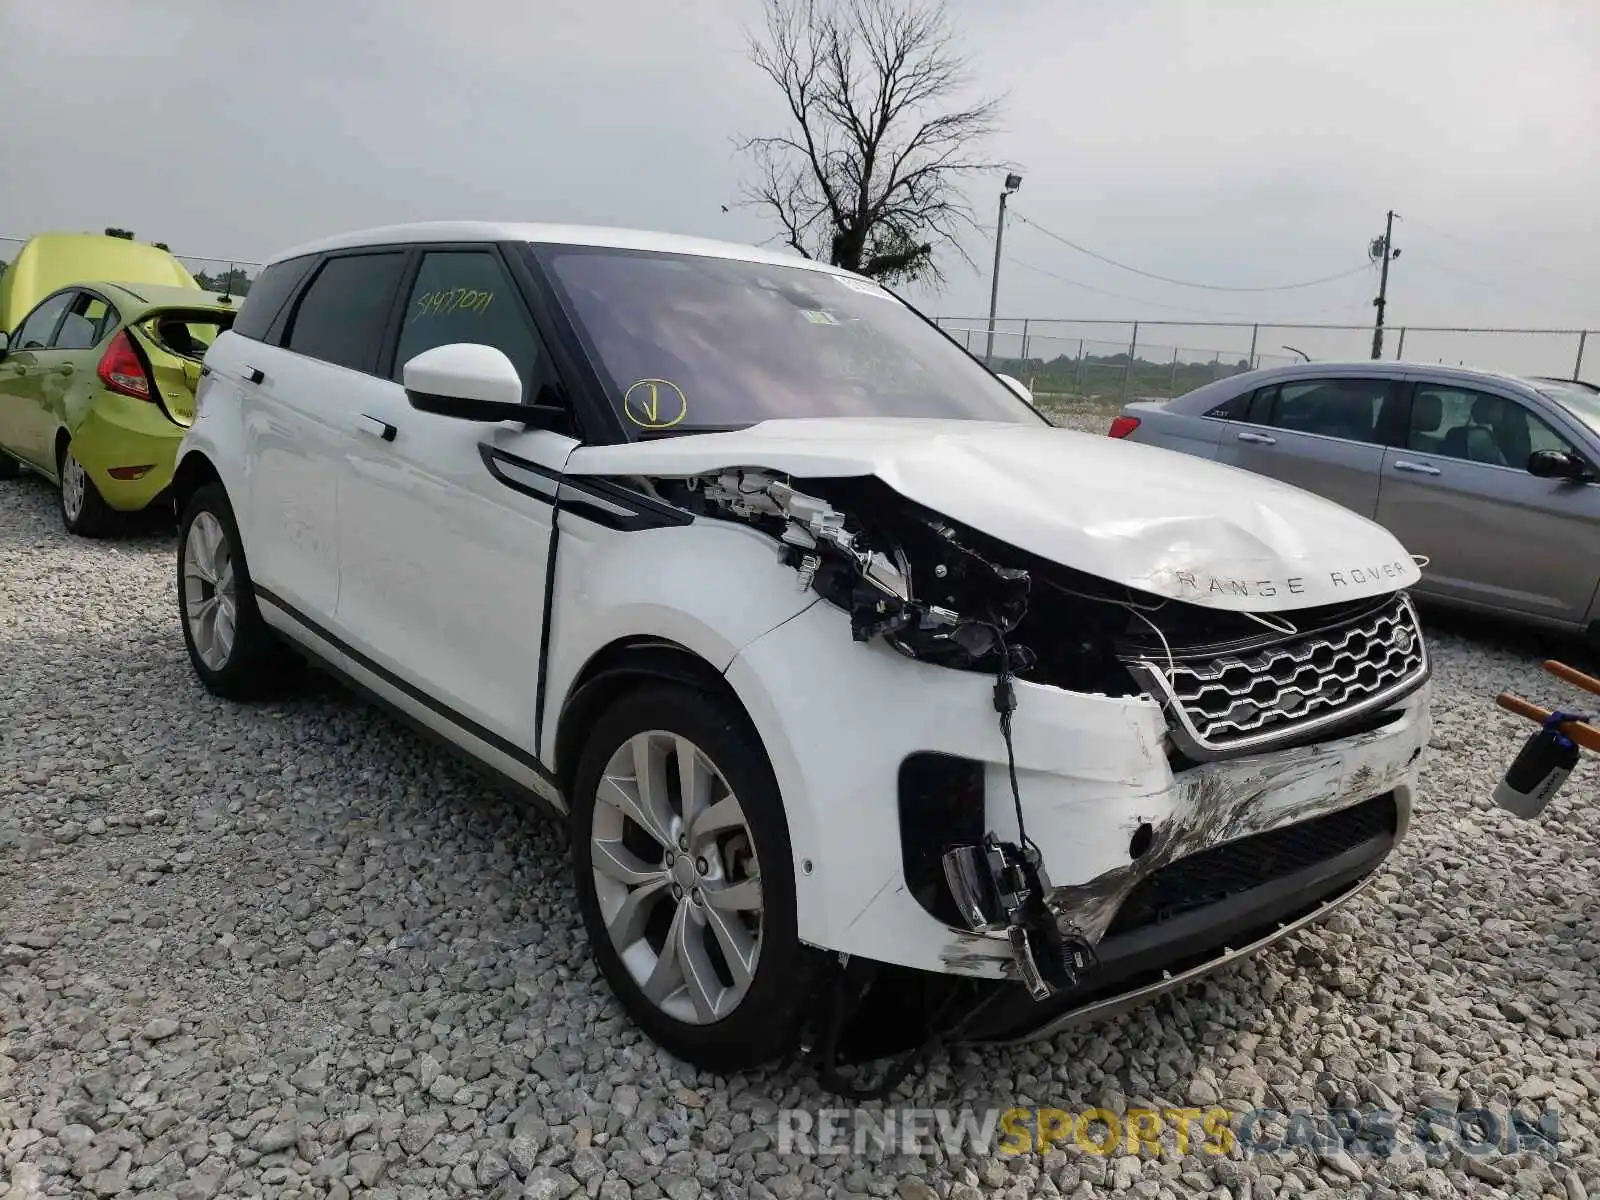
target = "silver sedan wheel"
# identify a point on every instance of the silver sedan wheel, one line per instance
(676, 876)
(74, 483)
(209, 594)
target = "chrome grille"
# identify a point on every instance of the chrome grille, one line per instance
(1232, 703)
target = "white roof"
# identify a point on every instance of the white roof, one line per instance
(572, 235)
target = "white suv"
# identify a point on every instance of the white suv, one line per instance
(879, 708)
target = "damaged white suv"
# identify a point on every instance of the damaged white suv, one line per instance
(880, 709)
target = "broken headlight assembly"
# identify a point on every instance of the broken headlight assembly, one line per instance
(911, 578)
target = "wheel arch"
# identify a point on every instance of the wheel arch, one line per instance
(617, 668)
(193, 473)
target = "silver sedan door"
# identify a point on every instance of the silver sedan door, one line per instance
(1323, 435)
(1457, 489)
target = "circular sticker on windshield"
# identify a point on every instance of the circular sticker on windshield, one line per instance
(655, 404)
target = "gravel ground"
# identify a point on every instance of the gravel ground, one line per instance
(290, 950)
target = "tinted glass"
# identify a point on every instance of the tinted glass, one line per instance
(1477, 427)
(34, 332)
(1341, 408)
(685, 342)
(466, 296)
(85, 323)
(1231, 410)
(267, 295)
(341, 316)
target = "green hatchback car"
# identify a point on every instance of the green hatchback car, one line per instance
(97, 387)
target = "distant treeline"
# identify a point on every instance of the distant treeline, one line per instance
(1102, 375)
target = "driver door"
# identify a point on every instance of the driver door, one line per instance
(1495, 536)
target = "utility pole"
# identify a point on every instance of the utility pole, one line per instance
(1382, 250)
(1013, 182)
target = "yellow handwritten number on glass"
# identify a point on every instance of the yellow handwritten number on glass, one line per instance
(655, 404)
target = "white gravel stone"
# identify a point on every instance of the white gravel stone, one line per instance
(289, 949)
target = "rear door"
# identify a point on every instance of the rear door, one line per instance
(1456, 488)
(302, 388)
(1322, 434)
(24, 430)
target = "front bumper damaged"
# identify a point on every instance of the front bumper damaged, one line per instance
(1108, 800)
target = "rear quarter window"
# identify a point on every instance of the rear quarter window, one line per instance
(265, 299)
(1232, 409)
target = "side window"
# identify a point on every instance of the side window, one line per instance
(467, 296)
(1342, 408)
(266, 296)
(1231, 410)
(35, 330)
(87, 321)
(1477, 427)
(341, 316)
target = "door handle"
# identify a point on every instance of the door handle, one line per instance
(1260, 439)
(373, 427)
(63, 369)
(254, 374)
(1401, 464)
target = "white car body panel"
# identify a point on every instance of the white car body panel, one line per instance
(1207, 534)
(838, 719)
(425, 557)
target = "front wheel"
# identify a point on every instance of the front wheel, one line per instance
(83, 510)
(685, 879)
(10, 468)
(233, 651)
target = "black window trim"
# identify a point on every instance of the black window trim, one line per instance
(400, 250)
(114, 311)
(1403, 426)
(61, 316)
(280, 319)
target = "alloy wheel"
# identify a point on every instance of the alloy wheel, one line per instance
(210, 601)
(676, 876)
(74, 484)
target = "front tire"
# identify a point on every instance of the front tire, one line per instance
(685, 879)
(10, 468)
(83, 511)
(233, 651)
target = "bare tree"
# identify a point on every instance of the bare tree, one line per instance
(869, 174)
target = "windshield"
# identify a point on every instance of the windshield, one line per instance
(689, 342)
(1582, 402)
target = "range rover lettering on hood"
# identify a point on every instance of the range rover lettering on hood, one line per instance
(1135, 515)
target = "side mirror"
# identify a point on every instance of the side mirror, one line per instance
(5, 343)
(1557, 464)
(472, 382)
(1017, 386)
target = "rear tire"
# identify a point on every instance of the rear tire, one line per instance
(232, 649)
(83, 511)
(693, 923)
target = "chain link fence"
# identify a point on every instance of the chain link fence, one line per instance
(1102, 360)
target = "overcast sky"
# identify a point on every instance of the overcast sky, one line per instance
(1244, 144)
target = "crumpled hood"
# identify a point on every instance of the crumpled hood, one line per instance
(1136, 515)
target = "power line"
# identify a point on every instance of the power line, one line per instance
(1183, 308)
(1485, 248)
(1210, 287)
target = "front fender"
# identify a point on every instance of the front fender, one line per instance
(712, 587)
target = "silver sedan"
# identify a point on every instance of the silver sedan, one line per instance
(1492, 477)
